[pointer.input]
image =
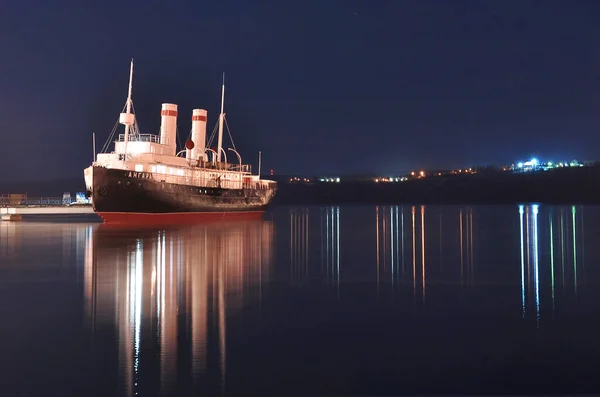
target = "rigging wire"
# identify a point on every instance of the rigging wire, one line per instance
(229, 132)
(110, 137)
(177, 139)
(136, 126)
(212, 135)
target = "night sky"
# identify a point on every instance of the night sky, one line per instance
(320, 86)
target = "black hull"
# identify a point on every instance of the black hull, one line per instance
(120, 191)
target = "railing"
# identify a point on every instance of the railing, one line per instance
(212, 182)
(203, 164)
(198, 182)
(47, 201)
(224, 166)
(142, 138)
(13, 199)
(6, 201)
(268, 184)
(241, 168)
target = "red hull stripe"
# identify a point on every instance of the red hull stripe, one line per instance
(138, 218)
(198, 118)
(169, 113)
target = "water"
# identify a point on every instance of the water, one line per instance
(311, 301)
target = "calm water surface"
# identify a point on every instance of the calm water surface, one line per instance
(311, 300)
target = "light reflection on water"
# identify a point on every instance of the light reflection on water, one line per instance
(188, 308)
(151, 278)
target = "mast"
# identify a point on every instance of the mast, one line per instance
(127, 118)
(220, 141)
(259, 160)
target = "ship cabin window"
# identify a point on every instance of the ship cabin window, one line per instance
(180, 172)
(139, 168)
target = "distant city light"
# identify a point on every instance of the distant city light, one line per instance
(535, 164)
(337, 179)
(532, 165)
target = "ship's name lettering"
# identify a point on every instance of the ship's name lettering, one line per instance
(141, 175)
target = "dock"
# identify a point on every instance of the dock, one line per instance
(16, 213)
(14, 206)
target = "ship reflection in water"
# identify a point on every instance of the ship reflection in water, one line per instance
(162, 290)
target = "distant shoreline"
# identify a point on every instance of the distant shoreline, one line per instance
(579, 185)
(561, 186)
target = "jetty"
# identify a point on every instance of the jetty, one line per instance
(16, 213)
(14, 206)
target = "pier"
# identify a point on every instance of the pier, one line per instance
(14, 206)
(16, 213)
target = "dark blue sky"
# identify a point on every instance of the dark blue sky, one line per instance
(320, 86)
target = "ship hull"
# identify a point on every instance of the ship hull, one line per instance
(126, 197)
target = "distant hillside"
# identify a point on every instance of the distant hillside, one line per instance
(50, 188)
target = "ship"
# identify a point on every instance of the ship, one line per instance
(145, 180)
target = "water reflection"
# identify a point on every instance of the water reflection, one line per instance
(561, 224)
(159, 288)
(163, 305)
(8, 239)
(314, 238)
(299, 242)
(389, 232)
(390, 243)
(330, 247)
(407, 235)
(466, 244)
(549, 244)
(43, 244)
(530, 255)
